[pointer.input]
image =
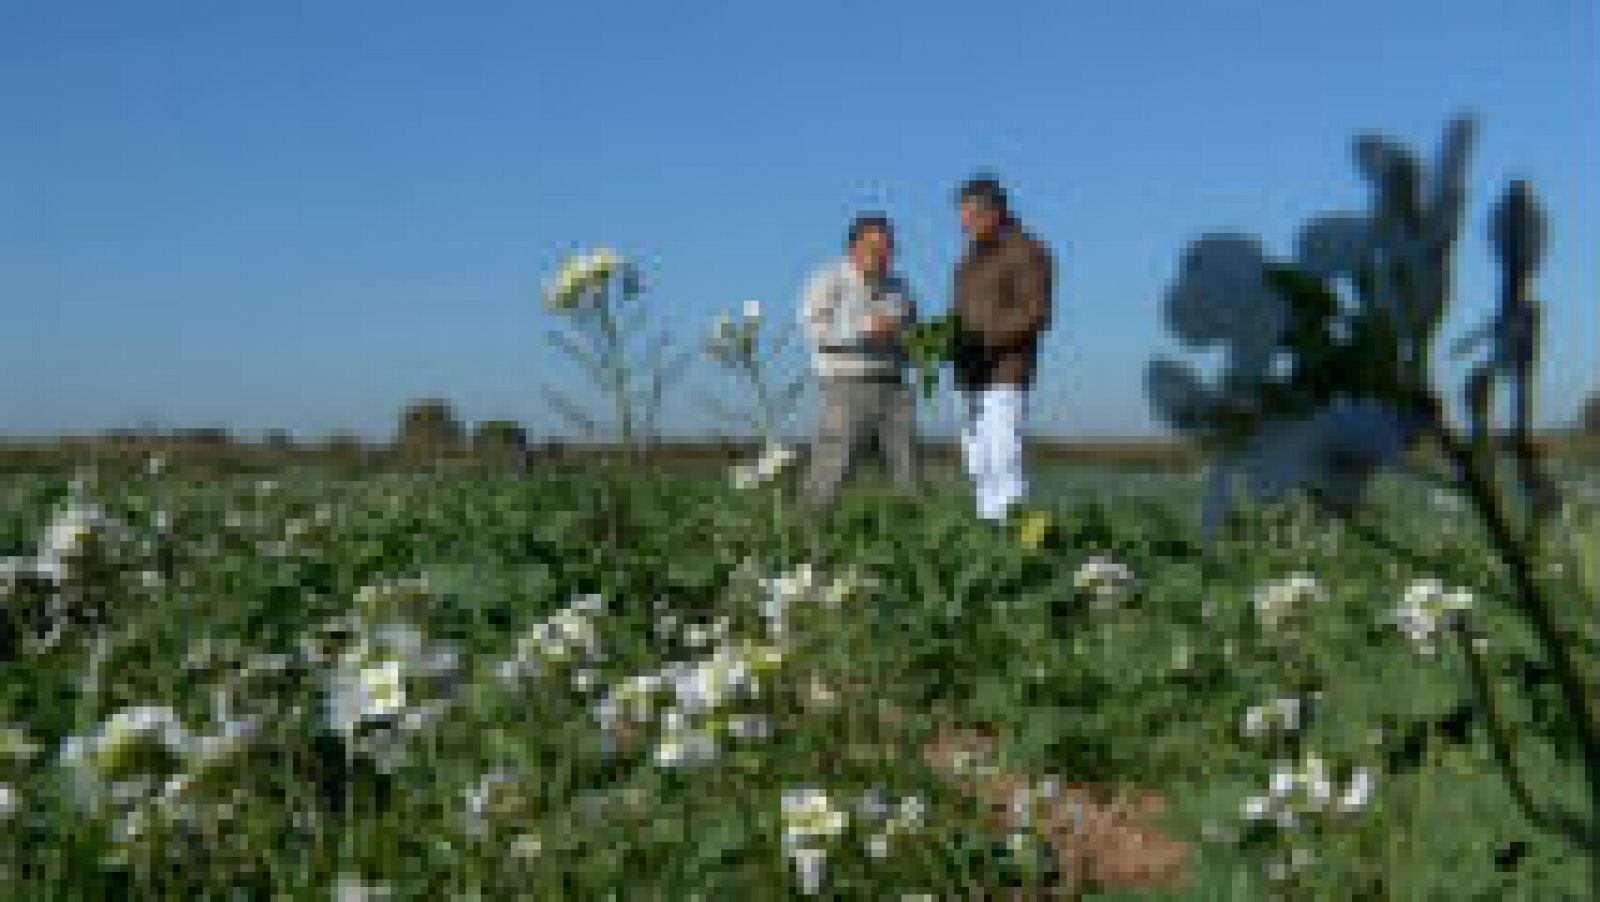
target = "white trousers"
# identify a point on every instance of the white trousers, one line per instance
(991, 447)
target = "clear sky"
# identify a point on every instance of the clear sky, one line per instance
(302, 214)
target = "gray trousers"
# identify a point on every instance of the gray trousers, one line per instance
(855, 410)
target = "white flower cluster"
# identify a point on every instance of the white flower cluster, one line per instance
(384, 681)
(891, 819)
(775, 458)
(378, 689)
(1426, 608)
(802, 585)
(15, 749)
(581, 275)
(353, 888)
(1280, 716)
(1103, 578)
(1298, 791)
(1280, 602)
(810, 821)
(733, 341)
(142, 763)
(564, 639)
(77, 533)
(690, 700)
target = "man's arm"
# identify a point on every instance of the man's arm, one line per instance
(1032, 282)
(819, 313)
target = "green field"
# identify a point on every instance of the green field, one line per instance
(433, 685)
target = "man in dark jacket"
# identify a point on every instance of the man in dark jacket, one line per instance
(1002, 294)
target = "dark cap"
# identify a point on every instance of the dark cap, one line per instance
(984, 187)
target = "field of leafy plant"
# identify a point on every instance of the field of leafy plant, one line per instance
(612, 686)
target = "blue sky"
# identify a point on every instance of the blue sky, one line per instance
(302, 214)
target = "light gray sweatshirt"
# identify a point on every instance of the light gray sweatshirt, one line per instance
(833, 309)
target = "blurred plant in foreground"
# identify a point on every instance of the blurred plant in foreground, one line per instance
(1327, 382)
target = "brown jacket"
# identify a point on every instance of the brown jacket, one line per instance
(1002, 294)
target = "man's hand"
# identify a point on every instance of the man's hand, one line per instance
(880, 326)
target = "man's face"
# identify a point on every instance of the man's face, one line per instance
(979, 218)
(873, 252)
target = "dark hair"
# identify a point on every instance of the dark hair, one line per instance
(986, 188)
(867, 222)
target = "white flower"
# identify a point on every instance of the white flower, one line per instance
(582, 275)
(1308, 788)
(752, 310)
(743, 477)
(351, 888)
(878, 846)
(1314, 778)
(809, 865)
(1257, 808)
(8, 801)
(1102, 576)
(71, 536)
(1278, 602)
(1426, 608)
(526, 847)
(1359, 793)
(125, 729)
(820, 694)
(912, 810)
(696, 635)
(1281, 714)
(782, 592)
(114, 764)
(365, 694)
(583, 680)
(775, 459)
(809, 814)
(685, 747)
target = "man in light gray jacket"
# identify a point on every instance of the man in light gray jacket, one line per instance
(854, 311)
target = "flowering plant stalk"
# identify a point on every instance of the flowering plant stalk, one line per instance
(751, 351)
(1327, 382)
(594, 294)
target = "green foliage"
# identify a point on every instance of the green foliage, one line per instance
(1142, 686)
(930, 344)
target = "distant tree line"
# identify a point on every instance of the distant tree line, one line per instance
(429, 435)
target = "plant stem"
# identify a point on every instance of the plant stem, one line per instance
(1535, 607)
(614, 360)
(1500, 739)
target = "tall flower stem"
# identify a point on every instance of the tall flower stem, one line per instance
(765, 414)
(1576, 693)
(615, 360)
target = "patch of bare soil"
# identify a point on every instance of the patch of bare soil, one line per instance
(1101, 839)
